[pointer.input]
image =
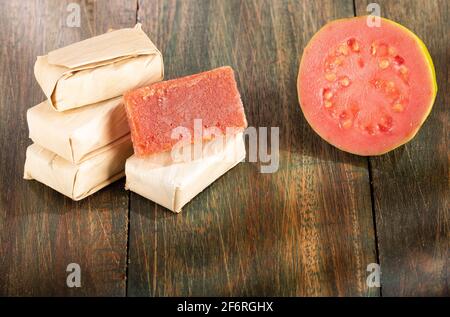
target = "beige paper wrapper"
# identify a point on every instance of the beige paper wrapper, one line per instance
(173, 185)
(78, 134)
(78, 181)
(98, 68)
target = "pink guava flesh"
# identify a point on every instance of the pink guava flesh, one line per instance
(366, 90)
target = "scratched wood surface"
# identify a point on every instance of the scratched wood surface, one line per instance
(306, 229)
(309, 229)
(411, 184)
(41, 231)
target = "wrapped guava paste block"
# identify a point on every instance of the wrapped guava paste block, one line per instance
(173, 178)
(78, 181)
(99, 68)
(78, 134)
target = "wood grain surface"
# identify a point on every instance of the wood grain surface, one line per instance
(411, 184)
(310, 229)
(306, 229)
(41, 230)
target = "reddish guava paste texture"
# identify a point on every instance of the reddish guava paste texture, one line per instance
(155, 111)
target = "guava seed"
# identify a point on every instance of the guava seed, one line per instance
(392, 51)
(384, 63)
(344, 81)
(369, 129)
(339, 60)
(328, 94)
(390, 88)
(353, 45)
(346, 124)
(398, 107)
(330, 76)
(386, 124)
(343, 49)
(403, 70)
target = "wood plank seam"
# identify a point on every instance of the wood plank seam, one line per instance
(372, 200)
(129, 199)
(165, 267)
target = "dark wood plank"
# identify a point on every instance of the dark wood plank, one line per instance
(41, 231)
(411, 184)
(304, 230)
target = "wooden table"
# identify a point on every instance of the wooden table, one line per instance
(311, 228)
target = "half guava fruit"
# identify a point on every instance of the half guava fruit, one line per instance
(366, 89)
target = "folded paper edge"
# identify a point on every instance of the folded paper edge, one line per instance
(177, 208)
(100, 186)
(73, 179)
(66, 144)
(31, 159)
(57, 72)
(138, 44)
(176, 198)
(100, 150)
(64, 140)
(177, 205)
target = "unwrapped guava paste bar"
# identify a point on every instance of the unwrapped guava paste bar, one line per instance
(155, 112)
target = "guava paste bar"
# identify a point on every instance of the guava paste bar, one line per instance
(155, 111)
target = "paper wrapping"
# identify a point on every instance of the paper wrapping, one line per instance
(98, 68)
(78, 134)
(78, 181)
(173, 185)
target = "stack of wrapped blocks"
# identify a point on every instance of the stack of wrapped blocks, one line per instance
(81, 134)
